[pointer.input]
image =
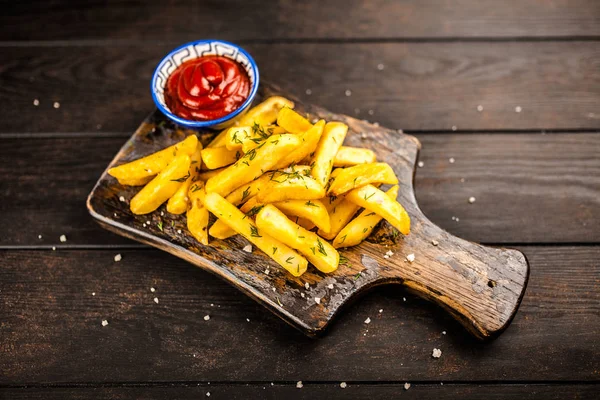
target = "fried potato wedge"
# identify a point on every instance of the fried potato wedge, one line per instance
(178, 203)
(283, 255)
(360, 175)
(162, 187)
(217, 157)
(349, 156)
(361, 227)
(252, 164)
(309, 141)
(319, 252)
(196, 193)
(197, 223)
(310, 210)
(377, 201)
(333, 136)
(266, 112)
(292, 122)
(340, 214)
(142, 170)
(285, 187)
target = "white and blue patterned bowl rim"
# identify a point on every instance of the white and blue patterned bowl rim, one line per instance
(196, 49)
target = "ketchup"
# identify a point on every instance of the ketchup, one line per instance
(207, 88)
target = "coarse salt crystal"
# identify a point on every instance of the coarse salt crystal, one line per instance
(156, 300)
(421, 164)
(435, 242)
(206, 317)
(471, 199)
(480, 108)
(410, 257)
(371, 112)
(162, 213)
(443, 332)
(248, 248)
(318, 300)
(53, 248)
(118, 258)
(56, 104)
(406, 386)
(39, 236)
(302, 294)
(380, 67)
(368, 320)
(299, 384)
(343, 385)
(451, 160)
(330, 286)
(93, 293)
(389, 253)
(63, 238)
(363, 135)
(121, 198)
(207, 394)
(437, 353)
(247, 319)
(152, 290)
(404, 299)
(380, 310)
(306, 286)
(36, 102)
(454, 128)
(179, 231)
(267, 271)
(518, 109)
(104, 322)
(308, 92)
(348, 92)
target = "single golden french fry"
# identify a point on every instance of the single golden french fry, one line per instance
(206, 175)
(377, 201)
(349, 156)
(266, 112)
(196, 193)
(360, 175)
(289, 259)
(145, 168)
(319, 252)
(162, 187)
(292, 122)
(178, 203)
(333, 136)
(309, 141)
(197, 223)
(286, 187)
(217, 157)
(311, 210)
(259, 135)
(252, 164)
(361, 227)
(236, 135)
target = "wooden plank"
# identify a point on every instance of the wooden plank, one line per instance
(242, 20)
(310, 391)
(423, 86)
(51, 327)
(546, 188)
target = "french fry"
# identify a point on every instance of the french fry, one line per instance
(319, 252)
(135, 182)
(235, 136)
(217, 157)
(289, 259)
(360, 175)
(162, 187)
(361, 227)
(310, 210)
(341, 213)
(178, 203)
(252, 164)
(197, 223)
(259, 135)
(284, 187)
(196, 193)
(377, 201)
(349, 156)
(246, 191)
(145, 168)
(292, 122)
(309, 141)
(221, 230)
(266, 112)
(219, 140)
(333, 136)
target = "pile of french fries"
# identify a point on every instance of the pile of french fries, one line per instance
(288, 186)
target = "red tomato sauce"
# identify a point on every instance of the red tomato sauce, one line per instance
(207, 88)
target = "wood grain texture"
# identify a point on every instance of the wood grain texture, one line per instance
(480, 286)
(423, 86)
(265, 391)
(51, 326)
(535, 178)
(276, 20)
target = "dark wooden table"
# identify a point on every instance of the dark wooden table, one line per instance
(420, 66)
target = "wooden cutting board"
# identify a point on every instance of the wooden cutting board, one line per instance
(480, 286)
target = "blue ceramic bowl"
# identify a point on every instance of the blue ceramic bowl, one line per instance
(190, 51)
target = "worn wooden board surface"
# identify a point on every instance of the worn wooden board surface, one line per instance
(423, 86)
(276, 20)
(51, 327)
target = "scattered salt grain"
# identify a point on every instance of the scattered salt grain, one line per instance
(330, 286)
(462, 180)
(410, 257)
(104, 322)
(318, 300)
(435, 242)
(308, 92)
(212, 305)
(53, 248)
(303, 295)
(39, 236)
(404, 299)
(118, 258)
(380, 67)
(156, 300)
(207, 394)
(152, 290)
(93, 293)
(148, 223)
(437, 353)
(248, 248)
(368, 320)
(247, 319)
(348, 93)
(389, 253)
(371, 112)
(406, 386)
(267, 271)
(480, 108)
(162, 214)
(343, 385)
(454, 128)
(206, 317)
(144, 224)
(518, 109)
(63, 238)
(36, 102)
(299, 385)
(122, 199)
(471, 199)
(306, 286)
(380, 310)
(421, 164)
(451, 160)
(363, 135)
(56, 104)
(179, 231)
(443, 332)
